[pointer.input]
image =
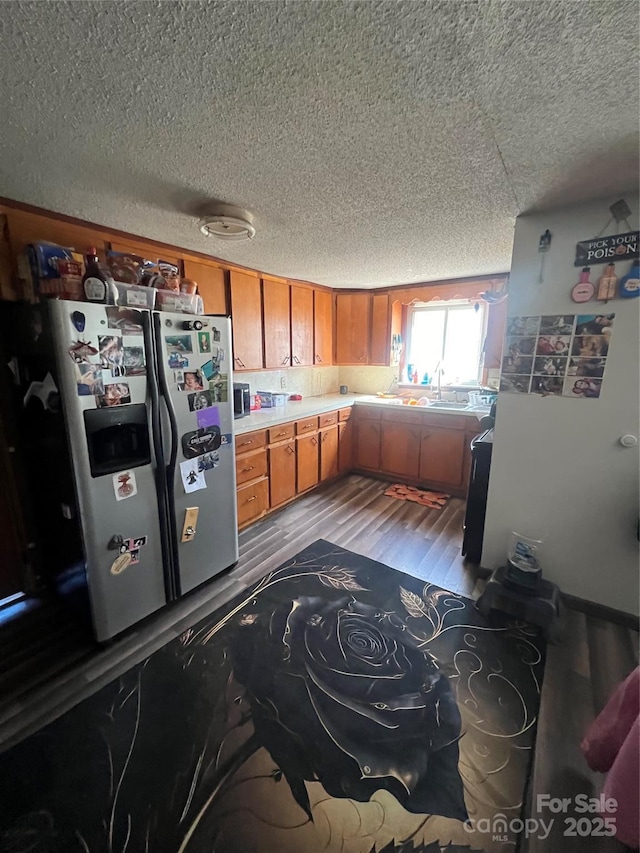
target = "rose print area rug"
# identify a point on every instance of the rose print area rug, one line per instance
(339, 705)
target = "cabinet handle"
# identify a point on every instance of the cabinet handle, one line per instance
(240, 361)
(280, 433)
(318, 358)
(290, 449)
(296, 359)
(308, 426)
(314, 441)
(253, 498)
(250, 468)
(244, 443)
(285, 359)
(363, 356)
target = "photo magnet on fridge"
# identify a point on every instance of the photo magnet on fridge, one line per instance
(116, 394)
(208, 417)
(179, 343)
(204, 342)
(201, 441)
(177, 360)
(134, 363)
(191, 381)
(127, 321)
(124, 485)
(200, 400)
(89, 379)
(192, 476)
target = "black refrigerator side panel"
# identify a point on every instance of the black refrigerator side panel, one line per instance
(49, 511)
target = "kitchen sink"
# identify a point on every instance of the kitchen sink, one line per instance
(446, 404)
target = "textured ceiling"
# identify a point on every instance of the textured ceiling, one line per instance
(374, 142)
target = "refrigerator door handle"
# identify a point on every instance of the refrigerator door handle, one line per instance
(170, 466)
(153, 375)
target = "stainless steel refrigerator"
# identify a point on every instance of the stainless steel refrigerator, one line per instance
(146, 402)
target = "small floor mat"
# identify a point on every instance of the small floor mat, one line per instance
(424, 497)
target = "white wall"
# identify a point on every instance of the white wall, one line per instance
(557, 466)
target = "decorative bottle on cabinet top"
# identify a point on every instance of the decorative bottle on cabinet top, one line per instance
(97, 286)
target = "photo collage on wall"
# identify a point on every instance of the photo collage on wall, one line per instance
(558, 354)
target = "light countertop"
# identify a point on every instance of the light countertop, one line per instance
(309, 406)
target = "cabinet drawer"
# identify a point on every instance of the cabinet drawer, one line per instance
(281, 433)
(306, 425)
(328, 419)
(344, 414)
(251, 441)
(251, 465)
(253, 501)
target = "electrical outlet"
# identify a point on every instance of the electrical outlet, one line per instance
(283, 382)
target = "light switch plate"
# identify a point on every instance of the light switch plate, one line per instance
(190, 523)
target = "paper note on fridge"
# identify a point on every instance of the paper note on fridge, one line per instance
(192, 479)
(208, 417)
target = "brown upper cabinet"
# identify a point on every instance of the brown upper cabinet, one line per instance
(211, 285)
(380, 320)
(246, 315)
(276, 313)
(365, 325)
(323, 327)
(353, 311)
(301, 326)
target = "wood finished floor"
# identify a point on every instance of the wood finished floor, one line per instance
(581, 672)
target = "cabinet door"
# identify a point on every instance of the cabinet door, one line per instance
(307, 459)
(277, 332)
(252, 501)
(246, 321)
(367, 446)
(301, 326)
(323, 326)
(211, 285)
(380, 341)
(345, 446)
(282, 472)
(400, 449)
(442, 457)
(328, 452)
(352, 328)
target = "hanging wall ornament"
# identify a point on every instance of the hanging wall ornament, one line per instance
(607, 284)
(617, 247)
(630, 283)
(544, 245)
(583, 291)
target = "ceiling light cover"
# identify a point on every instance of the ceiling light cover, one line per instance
(227, 227)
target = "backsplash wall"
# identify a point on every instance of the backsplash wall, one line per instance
(308, 381)
(367, 380)
(313, 381)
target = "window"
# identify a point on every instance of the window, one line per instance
(446, 336)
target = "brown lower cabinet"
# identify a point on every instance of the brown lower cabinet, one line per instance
(328, 440)
(366, 452)
(282, 472)
(276, 464)
(308, 457)
(400, 448)
(345, 441)
(442, 457)
(253, 501)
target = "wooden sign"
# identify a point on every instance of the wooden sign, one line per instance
(607, 250)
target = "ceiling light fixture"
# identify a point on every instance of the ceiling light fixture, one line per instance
(237, 225)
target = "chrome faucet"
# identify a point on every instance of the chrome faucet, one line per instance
(439, 371)
(393, 384)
